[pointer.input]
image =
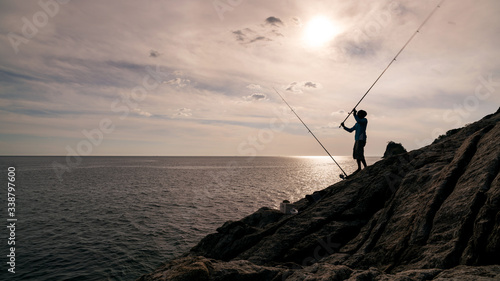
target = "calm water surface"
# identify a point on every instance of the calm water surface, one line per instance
(116, 218)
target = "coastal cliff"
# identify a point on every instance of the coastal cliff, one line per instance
(427, 214)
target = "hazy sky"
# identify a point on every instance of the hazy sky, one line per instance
(197, 77)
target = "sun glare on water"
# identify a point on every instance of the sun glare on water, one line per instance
(319, 31)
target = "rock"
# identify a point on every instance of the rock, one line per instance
(393, 149)
(241, 270)
(203, 269)
(428, 214)
(234, 237)
(183, 269)
(315, 197)
(470, 273)
(418, 274)
(320, 272)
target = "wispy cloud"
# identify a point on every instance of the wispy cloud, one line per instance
(255, 97)
(183, 112)
(179, 82)
(142, 112)
(253, 87)
(250, 35)
(300, 87)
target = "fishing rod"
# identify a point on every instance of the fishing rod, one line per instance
(311, 133)
(394, 59)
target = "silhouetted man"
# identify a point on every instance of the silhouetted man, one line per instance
(359, 137)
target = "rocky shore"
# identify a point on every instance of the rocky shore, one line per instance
(427, 214)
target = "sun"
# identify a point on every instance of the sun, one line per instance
(319, 31)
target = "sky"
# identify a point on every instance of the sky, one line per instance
(189, 78)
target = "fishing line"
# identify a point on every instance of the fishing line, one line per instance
(310, 131)
(394, 59)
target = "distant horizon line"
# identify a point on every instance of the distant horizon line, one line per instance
(183, 156)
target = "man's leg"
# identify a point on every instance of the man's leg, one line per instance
(362, 152)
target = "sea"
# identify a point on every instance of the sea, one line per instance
(117, 218)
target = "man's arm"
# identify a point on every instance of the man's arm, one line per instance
(350, 130)
(355, 114)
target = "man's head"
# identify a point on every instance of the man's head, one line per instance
(362, 114)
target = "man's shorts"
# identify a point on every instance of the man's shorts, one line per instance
(358, 152)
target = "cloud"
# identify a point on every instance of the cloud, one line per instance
(154, 54)
(142, 112)
(291, 87)
(339, 112)
(298, 87)
(260, 38)
(255, 97)
(248, 36)
(277, 33)
(274, 21)
(240, 36)
(359, 48)
(297, 21)
(310, 85)
(183, 112)
(253, 87)
(243, 34)
(178, 82)
(7, 76)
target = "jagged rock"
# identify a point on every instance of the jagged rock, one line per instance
(234, 237)
(203, 269)
(393, 149)
(470, 273)
(183, 269)
(427, 214)
(320, 272)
